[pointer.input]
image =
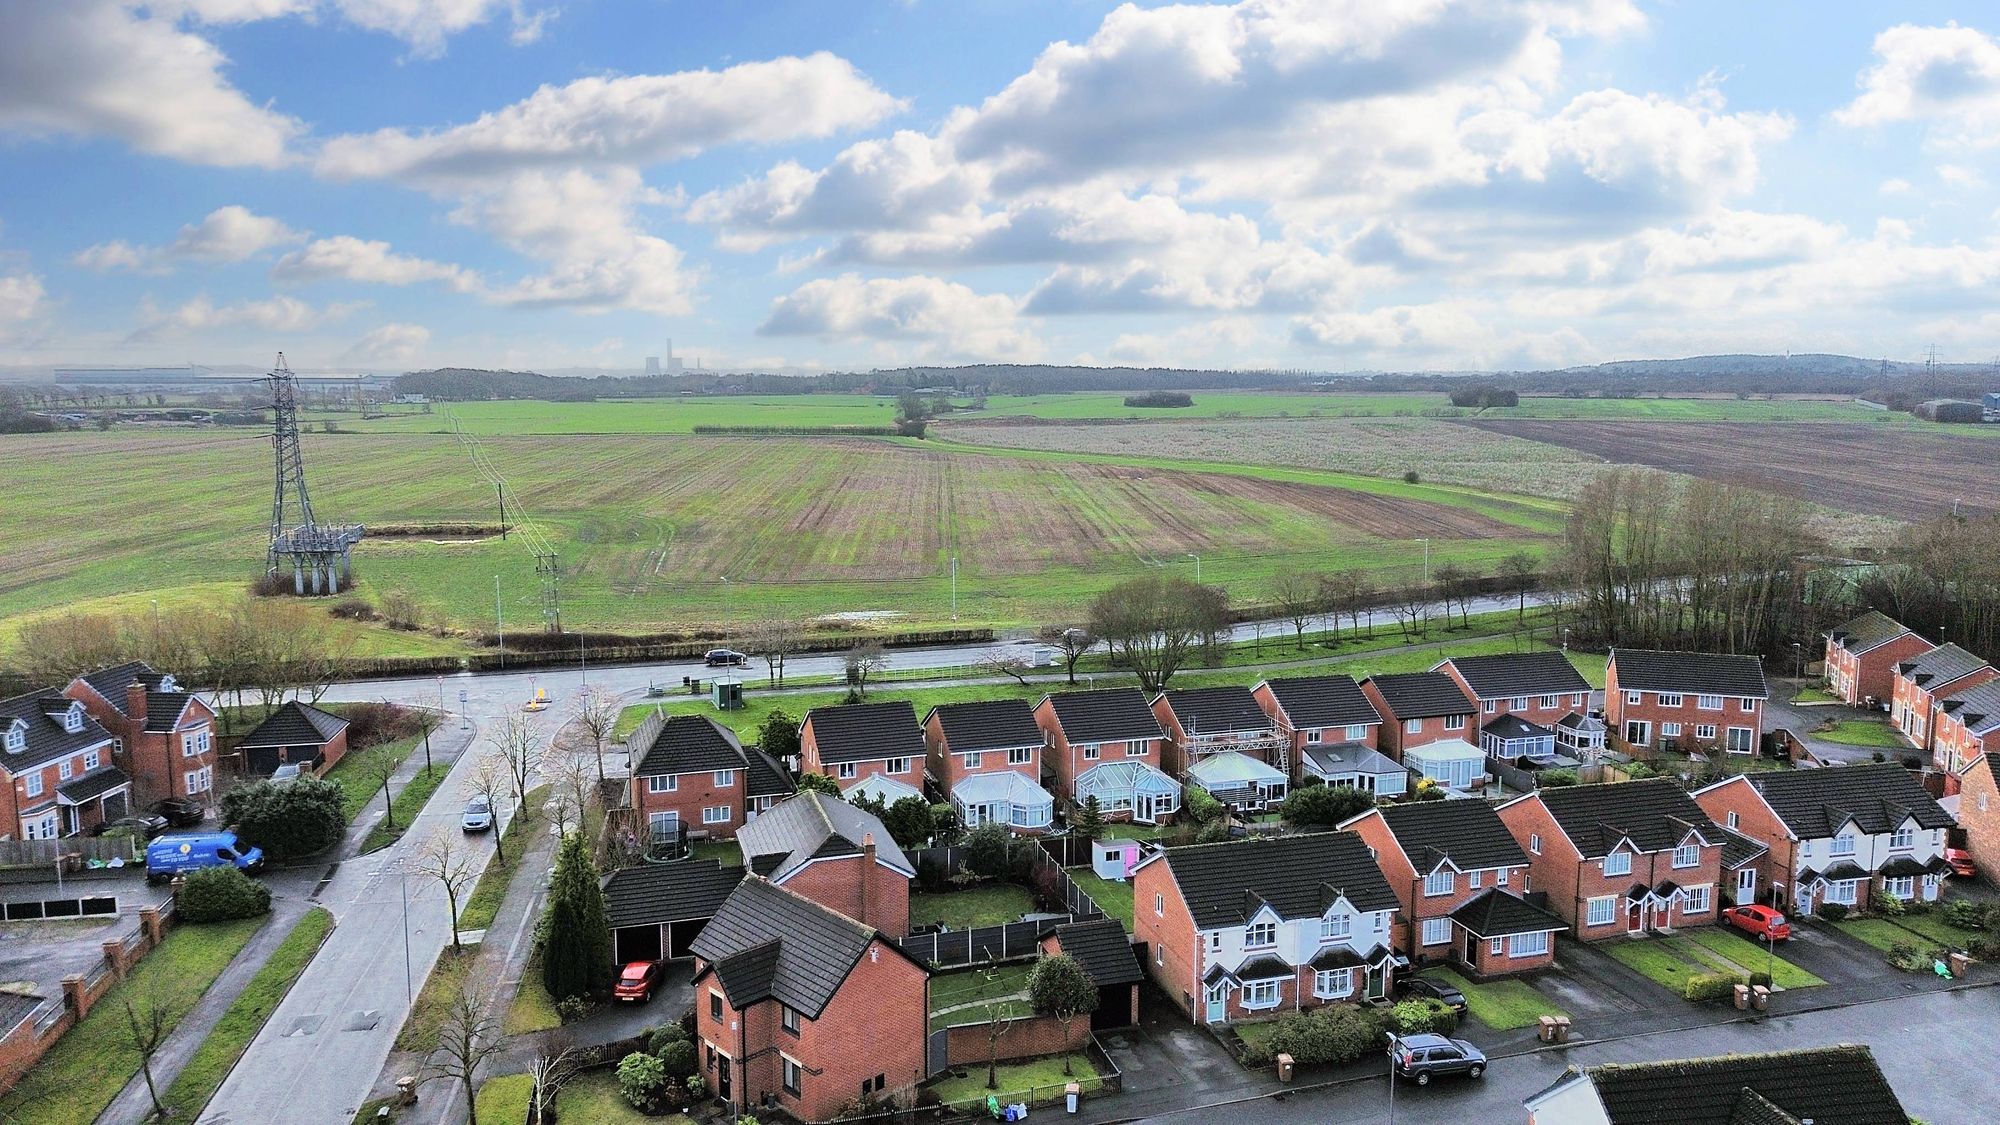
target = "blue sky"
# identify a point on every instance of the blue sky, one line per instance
(1330, 184)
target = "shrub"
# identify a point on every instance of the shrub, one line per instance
(1833, 911)
(1160, 399)
(678, 1057)
(1983, 948)
(1410, 476)
(1414, 1017)
(640, 1078)
(287, 821)
(1333, 1034)
(1760, 978)
(932, 878)
(1906, 956)
(1325, 805)
(664, 1036)
(352, 609)
(1550, 779)
(570, 1009)
(1964, 913)
(1638, 771)
(217, 894)
(370, 724)
(986, 849)
(1918, 908)
(1888, 906)
(1199, 806)
(1704, 988)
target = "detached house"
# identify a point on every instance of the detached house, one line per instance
(1258, 927)
(1918, 683)
(1202, 722)
(165, 737)
(1685, 700)
(294, 733)
(1965, 726)
(1107, 744)
(1839, 834)
(691, 775)
(837, 855)
(874, 747)
(1331, 728)
(57, 764)
(1626, 857)
(1535, 687)
(801, 1008)
(1862, 654)
(1459, 875)
(1419, 708)
(987, 758)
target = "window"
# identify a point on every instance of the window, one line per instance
(1843, 892)
(1021, 756)
(899, 765)
(1159, 906)
(1261, 994)
(662, 783)
(1330, 983)
(1313, 737)
(1708, 702)
(663, 823)
(1740, 739)
(1528, 945)
(1695, 900)
(1903, 887)
(1437, 931)
(1495, 946)
(724, 779)
(1618, 863)
(1670, 699)
(1091, 751)
(1492, 705)
(1601, 911)
(1747, 704)
(1437, 883)
(195, 743)
(1138, 749)
(1535, 842)
(1578, 700)
(1903, 838)
(1454, 722)
(1336, 927)
(792, 1073)
(715, 1005)
(788, 1018)
(66, 769)
(43, 829)
(972, 760)
(34, 784)
(1159, 955)
(1733, 820)
(17, 739)
(1842, 845)
(1215, 941)
(1705, 731)
(1357, 731)
(201, 780)
(1413, 726)
(73, 718)
(1500, 877)
(1671, 730)
(719, 814)
(1632, 698)
(1687, 855)
(1520, 703)
(1260, 935)
(845, 771)
(1472, 879)
(1548, 702)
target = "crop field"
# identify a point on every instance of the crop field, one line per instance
(1904, 472)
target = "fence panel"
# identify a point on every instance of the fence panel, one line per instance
(1052, 881)
(986, 943)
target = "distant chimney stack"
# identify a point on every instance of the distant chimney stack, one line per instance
(135, 702)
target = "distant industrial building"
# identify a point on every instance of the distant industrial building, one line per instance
(1950, 410)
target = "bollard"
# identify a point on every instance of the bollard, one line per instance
(1284, 1066)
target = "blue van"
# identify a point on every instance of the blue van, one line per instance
(169, 856)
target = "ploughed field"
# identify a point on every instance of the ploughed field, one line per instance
(1904, 472)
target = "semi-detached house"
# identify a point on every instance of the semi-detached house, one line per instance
(1921, 681)
(1862, 654)
(1522, 696)
(1685, 700)
(1258, 927)
(692, 776)
(1107, 744)
(1965, 726)
(986, 757)
(876, 749)
(57, 765)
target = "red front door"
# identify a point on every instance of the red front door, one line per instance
(1635, 918)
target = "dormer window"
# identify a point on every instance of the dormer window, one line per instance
(1335, 927)
(72, 720)
(1687, 855)
(1904, 837)
(167, 683)
(1438, 882)
(17, 738)
(1260, 934)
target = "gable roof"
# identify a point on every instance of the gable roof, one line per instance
(684, 744)
(1496, 913)
(766, 778)
(164, 710)
(988, 724)
(1838, 1085)
(865, 732)
(1224, 709)
(1469, 833)
(812, 825)
(1322, 701)
(766, 943)
(1104, 715)
(1655, 814)
(652, 893)
(38, 712)
(1878, 797)
(111, 682)
(1940, 666)
(1420, 695)
(1869, 631)
(1297, 876)
(1103, 949)
(292, 724)
(1690, 673)
(1977, 708)
(1511, 674)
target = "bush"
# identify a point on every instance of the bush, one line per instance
(1410, 476)
(664, 1036)
(1983, 948)
(986, 849)
(1638, 771)
(1551, 779)
(640, 1079)
(1907, 956)
(218, 894)
(1888, 906)
(1160, 399)
(1964, 913)
(1833, 911)
(1760, 978)
(287, 821)
(1199, 806)
(678, 1058)
(1414, 1017)
(1333, 1034)
(1325, 805)
(1704, 988)
(570, 1009)
(370, 724)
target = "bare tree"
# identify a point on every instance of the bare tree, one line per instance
(552, 1069)
(520, 747)
(1453, 583)
(149, 1019)
(444, 859)
(569, 791)
(425, 721)
(1300, 597)
(775, 638)
(468, 1038)
(491, 780)
(999, 662)
(379, 770)
(863, 661)
(597, 717)
(1154, 623)
(1072, 641)
(1518, 572)
(1409, 605)
(999, 1017)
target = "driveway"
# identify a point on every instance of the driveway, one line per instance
(1592, 986)
(1168, 1062)
(36, 956)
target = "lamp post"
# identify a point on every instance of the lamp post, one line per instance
(403, 881)
(1798, 660)
(499, 620)
(1197, 565)
(954, 587)
(1392, 1076)
(1427, 562)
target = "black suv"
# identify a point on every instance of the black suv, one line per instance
(1438, 990)
(1419, 1057)
(181, 812)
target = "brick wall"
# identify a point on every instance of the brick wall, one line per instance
(693, 793)
(839, 884)
(1026, 1038)
(1066, 761)
(1979, 815)
(30, 1040)
(1533, 712)
(949, 768)
(1169, 936)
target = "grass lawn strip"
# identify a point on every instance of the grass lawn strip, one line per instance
(1112, 896)
(1862, 732)
(1035, 1081)
(1751, 957)
(217, 1055)
(503, 1098)
(532, 1008)
(410, 802)
(951, 992)
(990, 905)
(1502, 1004)
(1656, 961)
(352, 773)
(1931, 927)
(427, 1015)
(80, 1075)
(593, 1097)
(1257, 1034)
(1878, 932)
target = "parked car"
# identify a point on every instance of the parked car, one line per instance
(637, 981)
(148, 825)
(1435, 990)
(725, 658)
(1760, 922)
(1956, 855)
(288, 773)
(1420, 1057)
(478, 815)
(169, 856)
(181, 812)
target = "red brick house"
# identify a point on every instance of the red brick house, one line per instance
(690, 774)
(294, 733)
(1330, 730)
(1629, 857)
(1419, 708)
(804, 1009)
(1107, 744)
(1965, 726)
(835, 854)
(1862, 654)
(986, 757)
(1979, 814)
(1536, 687)
(1841, 834)
(57, 765)
(1459, 876)
(165, 736)
(1689, 701)
(1203, 722)
(876, 746)
(1918, 684)
(1254, 928)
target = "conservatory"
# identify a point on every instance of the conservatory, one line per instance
(1003, 797)
(1239, 781)
(1453, 763)
(1129, 790)
(882, 788)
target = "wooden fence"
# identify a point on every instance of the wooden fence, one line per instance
(74, 850)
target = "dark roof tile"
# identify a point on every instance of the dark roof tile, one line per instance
(668, 892)
(1826, 1085)
(1420, 695)
(1940, 667)
(40, 713)
(1104, 715)
(1511, 674)
(1225, 709)
(767, 943)
(1690, 673)
(1869, 631)
(1298, 876)
(813, 825)
(1878, 797)
(1469, 833)
(1104, 950)
(1322, 701)
(1655, 814)
(294, 724)
(865, 732)
(683, 744)
(1495, 913)
(987, 724)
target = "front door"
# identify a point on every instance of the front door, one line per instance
(1471, 948)
(722, 1077)
(1635, 918)
(1151, 807)
(1218, 1003)
(1378, 982)
(1746, 886)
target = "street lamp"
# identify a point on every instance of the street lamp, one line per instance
(499, 620)
(1392, 1076)
(1427, 562)
(1197, 565)
(954, 587)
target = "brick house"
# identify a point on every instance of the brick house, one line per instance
(1840, 834)
(876, 746)
(1203, 722)
(1628, 857)
(804, 1009)
(1103, 949)
(165, 737)
(1107, 744)
(295, 732)
(1685, 700)
(835, 854)
(986, 757)
(1862, 654)
(1979, 814)
(1536, 687)
(1253, 928)
(1918, 683)
(692, 775)
(1419, 708)
(58, 766)
(1839, 1085)
(1965, 726)
(1459, 876)
(1330, 729)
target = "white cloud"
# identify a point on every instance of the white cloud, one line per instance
(1960, 176)
(355, 259)
(635, 120)
(585, 227)
(21, 303)
(947, 319)
(229, 11)
(426, 24)
(392, 345)
(273, 314)
(1220, 341)
(117, 255)
(98, 68)
(1948, 76)
(226, 234)
(1894, 185)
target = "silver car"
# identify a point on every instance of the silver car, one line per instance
(478, 815)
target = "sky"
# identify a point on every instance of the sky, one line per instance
(845, 184)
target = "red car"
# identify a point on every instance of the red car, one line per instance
(637, 981)
(1759, 922)
(1956, 855)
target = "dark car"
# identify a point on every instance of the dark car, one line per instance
(148, 825)
(725, 658)
(1420, 1057)
(1435, 990)
(181, 812)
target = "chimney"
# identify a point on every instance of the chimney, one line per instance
(135, 703)
(867, 875)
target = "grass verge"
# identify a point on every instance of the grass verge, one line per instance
(1502, 1004)
(1878, 932)
(410, 802)
(1111, 896)
(505, 1099)
(1862, 732)
(420, 1030)
(80, 1075)
(1739, 953)
(491, 889)
(1035, 1081)
(217, 1055)
(532, 1008)
(1671, 961)
(357, 773)
(988, 905)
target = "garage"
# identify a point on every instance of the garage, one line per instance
(656, 909)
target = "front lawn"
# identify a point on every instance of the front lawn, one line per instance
(1034, 1081)
(1814, 694)
(951, 992)
(1878, 932)
(1257, 1036)
(1501, 1004)
(1739, 952)
(1934, 927)
(594, 1097)
(989, 904)
(1114, 897)
(532, 1008)
(502, 1098)
(1924, 931)
(1670, 961)
(1863, 732)
(80, 1075)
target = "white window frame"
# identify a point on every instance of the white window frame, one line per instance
(1494, 946)
(1535, 843)
(845, 771)
(1550, 702)
(1842, 845)
(1454, 722)
(725, 779)
(1902, 887)
(17, 739)
(1357, 731)
(1499, 876)
(1159, 905)
(1439, 882)
(1902, 838)
(717, 814)
(1261, 994)
(1260, 935)
(1330, 984)
(1732, 819)
(1518, 703)
(1687, 855)
(663, 783)
(1492, 706)
(1705, 731)
(1601, 911)
(1695, 900)
(195, 742)
(1473, 879)
(1092, 750)
(91, 760)
(1533, 944)
(1623, 866)
(1313, 737)
(1749, 705)
(897, 765)
(1670, 730)
(1708, 703)
(793, 1076)
(1335, 927)
(1144, 748)
(199, 781)
(1670, 699)
(1749, 740)
(1413, 726)
(1437, 931)
(32, 784)
(972, 759)
(65, 770)
(1021, 756)
(1846, 892)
